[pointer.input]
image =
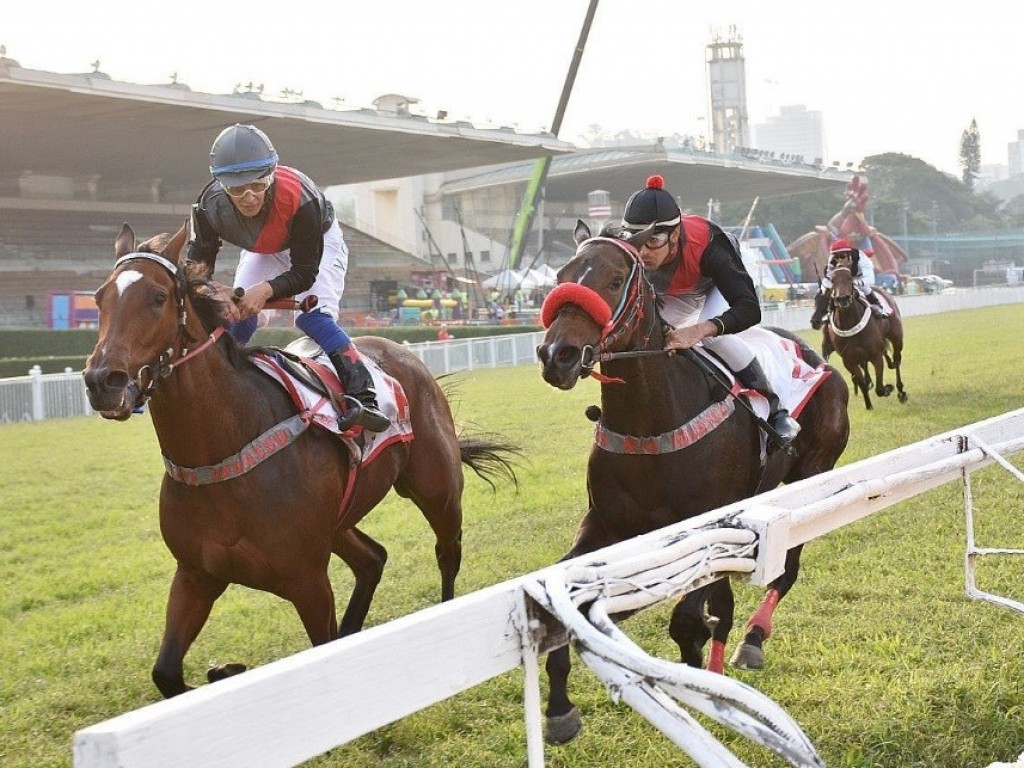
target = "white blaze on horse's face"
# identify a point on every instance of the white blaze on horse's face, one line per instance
(126, 279)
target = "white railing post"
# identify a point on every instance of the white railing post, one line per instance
(38, 399)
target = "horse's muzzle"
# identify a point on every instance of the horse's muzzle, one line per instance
(561, 364)
(111, 392)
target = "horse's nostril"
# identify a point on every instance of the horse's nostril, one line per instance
(116, 380)
(542, 354)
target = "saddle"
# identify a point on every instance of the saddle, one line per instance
(309, 378)
(299, 360)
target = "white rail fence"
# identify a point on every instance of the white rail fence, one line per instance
(39, 395)
(289, 711)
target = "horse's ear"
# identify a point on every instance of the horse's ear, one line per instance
(125, 242)
(581, 233)
(637, 240)
(172, 250)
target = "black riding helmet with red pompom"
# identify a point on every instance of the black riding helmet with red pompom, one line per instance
(651, 205)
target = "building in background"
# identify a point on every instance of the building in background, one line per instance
(1015, 155)
(795, 132)
(727, 93)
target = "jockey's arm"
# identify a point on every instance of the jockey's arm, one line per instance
(724, 266)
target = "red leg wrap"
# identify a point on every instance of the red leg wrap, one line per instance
(762, 617)
(716, 660)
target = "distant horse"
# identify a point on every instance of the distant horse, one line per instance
(702, 451)
(863, 338)
(295, 494)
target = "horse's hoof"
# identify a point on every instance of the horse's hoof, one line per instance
(902, 397)
(213, 674)
(561, 729)
(747, 656)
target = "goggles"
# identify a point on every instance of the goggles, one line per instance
(257, 187)
(657, 240)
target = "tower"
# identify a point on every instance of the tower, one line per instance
(727, 90)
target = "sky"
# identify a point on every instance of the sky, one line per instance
(887, 75)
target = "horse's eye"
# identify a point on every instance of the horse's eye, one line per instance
(617, 283)
(160, 298)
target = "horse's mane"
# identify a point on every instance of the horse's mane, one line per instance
(208, 308)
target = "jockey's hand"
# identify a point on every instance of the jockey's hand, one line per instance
(688, 336)
(252, 301)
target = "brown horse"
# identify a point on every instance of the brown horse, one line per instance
(273, 527)
(863, 338)
(703, 450)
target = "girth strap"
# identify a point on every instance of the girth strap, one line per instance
(681, 437)
(276, 438)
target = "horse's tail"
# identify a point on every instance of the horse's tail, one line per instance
(490, 457)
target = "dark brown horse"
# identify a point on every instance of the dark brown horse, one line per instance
(604, 308)
(863, 338)
(273, 527)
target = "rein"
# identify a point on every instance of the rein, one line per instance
(166, 361)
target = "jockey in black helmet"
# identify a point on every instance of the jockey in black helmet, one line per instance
(705, 292)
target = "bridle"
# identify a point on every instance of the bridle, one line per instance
(144, 384)
(626, 317)
(844, 302)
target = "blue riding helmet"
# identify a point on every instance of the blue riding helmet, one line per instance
(241, 154)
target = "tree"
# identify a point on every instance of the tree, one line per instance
(970, 154)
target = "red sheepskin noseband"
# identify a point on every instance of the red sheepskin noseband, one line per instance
(585, 298)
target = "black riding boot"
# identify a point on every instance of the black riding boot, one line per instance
(359, 391)
(753, 377)
(820, 308)
(876, 304)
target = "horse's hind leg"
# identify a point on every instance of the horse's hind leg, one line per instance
(433, 481)
(750, 653)
(897, 363)
(191, 598)
(366, 558)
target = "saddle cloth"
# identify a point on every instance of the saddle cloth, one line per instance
(390, 398)
(793, 378)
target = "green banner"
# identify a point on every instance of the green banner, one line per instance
(527, 212)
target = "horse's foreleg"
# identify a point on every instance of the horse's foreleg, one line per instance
(689, 627)
(750, 654)
(881, 388)
(721, 610)
(366, 558)
(862, 382)
(563, 721)
(191, 599)
(313, 598)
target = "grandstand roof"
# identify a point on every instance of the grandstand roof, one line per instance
(694, 176)
(134, 132)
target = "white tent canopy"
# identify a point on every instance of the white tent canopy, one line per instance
(506, 280)
(535, 278)
(510, 280)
